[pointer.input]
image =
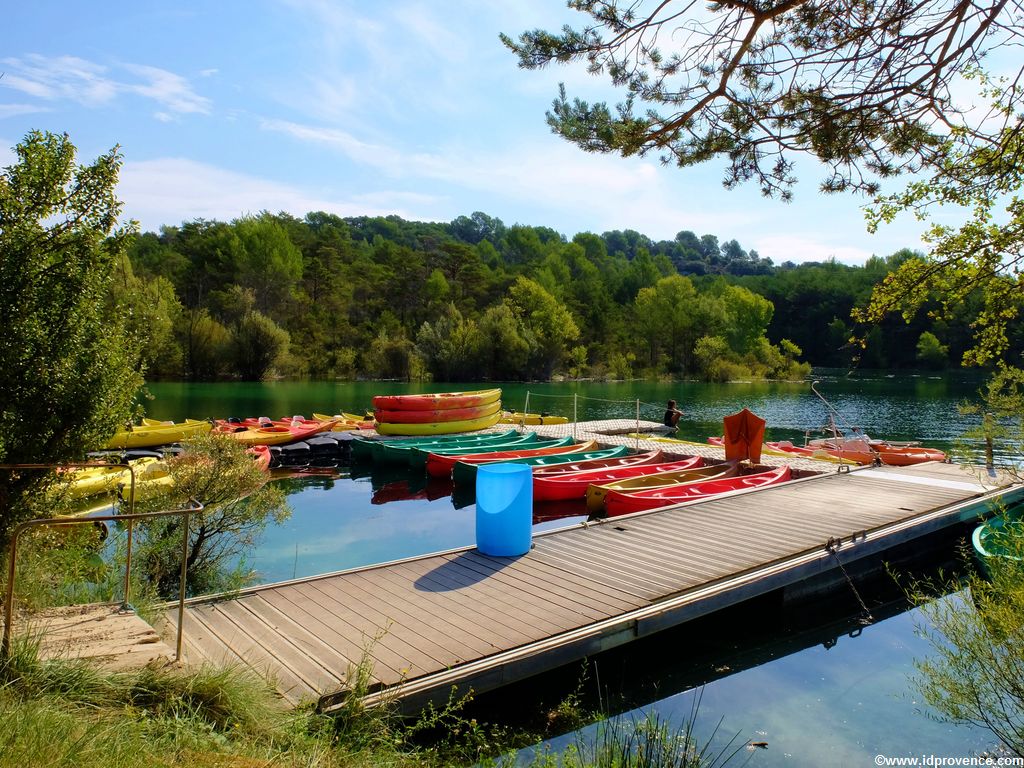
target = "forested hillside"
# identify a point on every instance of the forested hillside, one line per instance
(475, 299)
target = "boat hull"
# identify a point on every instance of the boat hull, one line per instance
(464, 473)
(440, 427)
(532, 419)
(597, 494)
(441, 463)
(437, 401)
(573, 485)
(620, 503)
(150, 435)
(397, 416)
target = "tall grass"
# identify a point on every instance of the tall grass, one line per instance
(64, 712)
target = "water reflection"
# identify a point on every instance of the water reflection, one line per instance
(807, 677)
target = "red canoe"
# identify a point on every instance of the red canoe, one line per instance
(261, 455)
(619, 503)
(408, 416)
(437, 401)
(573, 485)
(439, 465)
(637, 459)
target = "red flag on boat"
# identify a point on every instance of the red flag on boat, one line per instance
(744, 433)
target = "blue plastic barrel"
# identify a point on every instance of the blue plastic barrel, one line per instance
(504, 509)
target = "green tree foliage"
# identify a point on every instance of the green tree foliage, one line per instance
(152, 312)
(451, 346)
(68, 366)
(974, 675)
(258, 344)
(546, 324)
(270, 264)
(354, 282)
(238, 504)
(206, 343)
(977, 261)
(505, 349)
(931, 353)
(865, 88)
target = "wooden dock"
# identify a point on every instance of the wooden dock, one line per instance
(421, 625)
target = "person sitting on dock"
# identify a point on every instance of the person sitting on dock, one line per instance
(672, 415)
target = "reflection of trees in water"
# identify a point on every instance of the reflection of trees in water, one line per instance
(296, 482)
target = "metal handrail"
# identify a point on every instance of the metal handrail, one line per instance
(193, 506)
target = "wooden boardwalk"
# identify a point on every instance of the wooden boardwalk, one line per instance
(459, 617)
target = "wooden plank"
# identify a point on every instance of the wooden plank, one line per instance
(551, 614)
(433, 614)
(252, 655)
(333, 630)
(279, 647)
(568, 582)
(326, 655)
(479, 618)
(417, 646)
(468, 589)
(522, 582)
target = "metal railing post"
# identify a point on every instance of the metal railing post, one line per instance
(126, 604)
(12, 557)
(181, 586)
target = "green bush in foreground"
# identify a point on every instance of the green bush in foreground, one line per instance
(61, 712)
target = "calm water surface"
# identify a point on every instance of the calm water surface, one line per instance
(815, 704)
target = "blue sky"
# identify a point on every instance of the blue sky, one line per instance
(224, 109)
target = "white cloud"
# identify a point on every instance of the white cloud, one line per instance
(172, 91)
(13, 110)
(59, 78)
(69, 78)
(172, 190)
(362, 152)
(800, 248)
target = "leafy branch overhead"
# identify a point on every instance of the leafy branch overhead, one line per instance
(868, 88)
(981, 256)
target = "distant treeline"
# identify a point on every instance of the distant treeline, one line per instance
(475, 299)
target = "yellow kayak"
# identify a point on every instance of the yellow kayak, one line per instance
(153, 479)
(148, 435)
(345, 422)
(531, 419)
(439, 428)
(92, 481)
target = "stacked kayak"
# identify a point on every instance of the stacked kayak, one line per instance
(465, 471)
(619, 503)
(151, 433)
(598, 493)
(550, 484)
(437, 414)
(440, 461)
(397, 451)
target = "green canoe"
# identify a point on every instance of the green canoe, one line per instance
(466, 473)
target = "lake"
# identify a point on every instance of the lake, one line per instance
(815, 703)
